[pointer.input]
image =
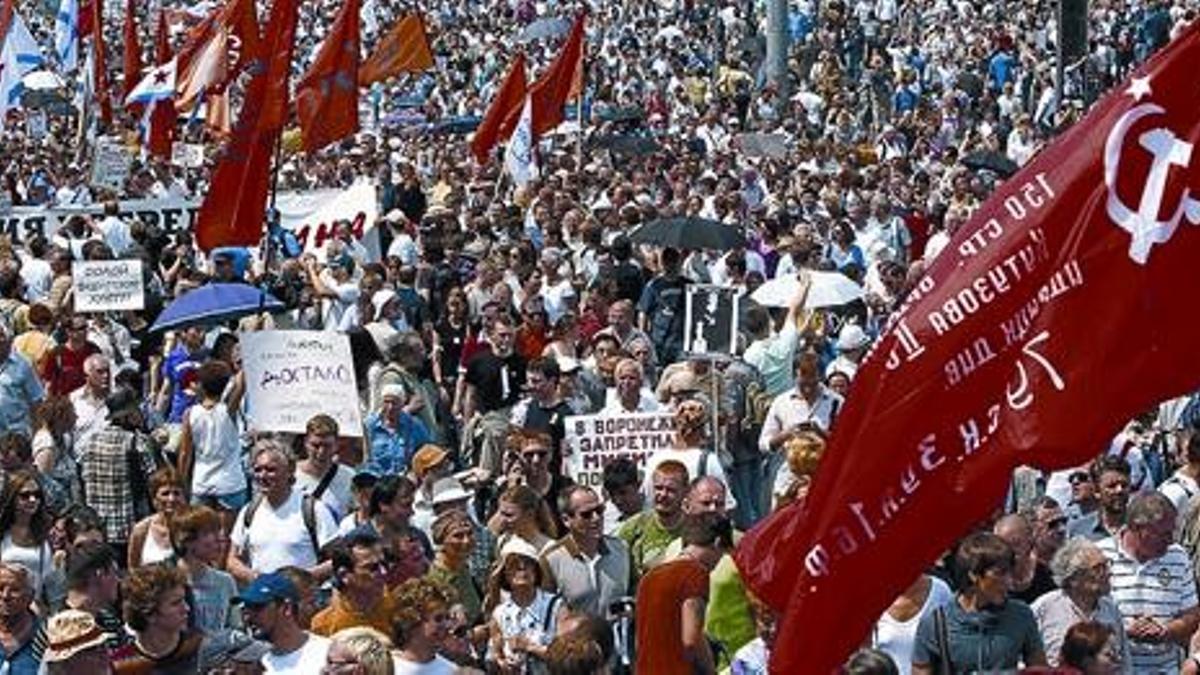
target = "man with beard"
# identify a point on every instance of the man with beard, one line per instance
(269, 606)
(1110, 474)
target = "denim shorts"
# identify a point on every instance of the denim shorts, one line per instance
(232, 501)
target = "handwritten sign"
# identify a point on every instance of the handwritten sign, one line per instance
(293, 375)
(190, 155)
(108, 285)
(596, 440)
(110, 164)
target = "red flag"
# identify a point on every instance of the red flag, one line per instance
(87, 14)
(6, 13)
(405, 49)
(100, 65)
(234, 207)
(1014, 348)
(163, 117)
(133, 51)
(502, 114)
(327, 96)
(203, 66)
(550, 93)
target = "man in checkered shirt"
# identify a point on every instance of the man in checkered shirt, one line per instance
(115, 466)
(1152, 584)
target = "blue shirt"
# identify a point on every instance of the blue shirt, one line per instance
(391, 450)
(27, 660)
(180, 369)
(20, 389)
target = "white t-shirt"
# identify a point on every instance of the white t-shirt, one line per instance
(307, 660)
(337, 495)
(438, 666)
(216, 447)
(277, 536)
(898, 638)
(347, 295)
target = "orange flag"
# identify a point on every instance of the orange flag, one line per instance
(234, 209)
(550, 93)
(327, 96)
(405, 49)
(503, 113)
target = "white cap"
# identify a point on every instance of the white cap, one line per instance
(852, 337)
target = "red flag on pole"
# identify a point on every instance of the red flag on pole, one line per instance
(203, 68)
(100, 65)
(1014, 348)
(163, 117)
(550, 93)
(133, 51)
(234, 208)
(405, 49)
(327, 96)
(6, 13)
(502, 114)
(87, 14)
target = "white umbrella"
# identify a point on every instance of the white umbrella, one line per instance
(41, 80)
(826, 289)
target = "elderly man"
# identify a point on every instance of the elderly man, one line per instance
(21, 641)
(282, 526)
(1152, 584)
(1081, 572)
(88, 400)
(629, 396)
(20, 388)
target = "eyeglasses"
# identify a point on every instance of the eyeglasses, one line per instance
(588, 514)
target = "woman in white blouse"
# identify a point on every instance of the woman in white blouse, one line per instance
(523, 618)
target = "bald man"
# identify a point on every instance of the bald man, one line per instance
(1028, 584)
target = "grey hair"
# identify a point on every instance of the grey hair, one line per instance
(370, 646)
(1068, 561)
(21, 572)
(1148, 508)
(265, 445)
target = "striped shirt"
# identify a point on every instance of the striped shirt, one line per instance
(1162, 589)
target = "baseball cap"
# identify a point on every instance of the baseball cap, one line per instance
(269, 588)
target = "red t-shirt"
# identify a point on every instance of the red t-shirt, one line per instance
(660, 599)
(62, 369)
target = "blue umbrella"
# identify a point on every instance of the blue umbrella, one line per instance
(215, 303)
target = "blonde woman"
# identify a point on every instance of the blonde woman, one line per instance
(359, 651)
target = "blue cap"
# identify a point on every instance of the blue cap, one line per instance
(268, 588)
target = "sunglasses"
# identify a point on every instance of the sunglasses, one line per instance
(588, 514)
(1080, 478)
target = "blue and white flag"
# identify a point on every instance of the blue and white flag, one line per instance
(156, 85)
(20, 56)
(519, 154)
(66, 35)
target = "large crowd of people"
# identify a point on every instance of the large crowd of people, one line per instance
(150, 526)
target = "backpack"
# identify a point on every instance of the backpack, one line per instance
(308, 509)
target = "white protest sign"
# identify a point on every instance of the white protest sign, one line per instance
(110, 164)
(36, 124)
(596, 440)
(108, 285)
(190, 155)
(293, 375)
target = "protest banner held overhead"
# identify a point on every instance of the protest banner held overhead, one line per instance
(293, 375)
(710, 319)
(596, 440)
(110, 164)
(310, 215)
(108, 285)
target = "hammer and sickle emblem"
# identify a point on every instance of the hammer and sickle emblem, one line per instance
(1166, 150)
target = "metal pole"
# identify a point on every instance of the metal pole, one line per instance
(777, 46)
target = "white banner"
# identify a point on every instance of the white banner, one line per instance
(293, 375)
(108, 285)
(110, 164)
(309, 214)
(596, 440)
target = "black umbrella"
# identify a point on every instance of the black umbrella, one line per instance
(689, 232)
(627, 144)
(991, 161)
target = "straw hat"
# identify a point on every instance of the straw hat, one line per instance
(70, 632)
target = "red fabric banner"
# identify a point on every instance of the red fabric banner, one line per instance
(501, 116)
(1051, 319)
(163, 117)
(234, 207)
(327, 96)
(405, 49)
(550, 93)
(132, 51)
(6, 14)
(100, 64)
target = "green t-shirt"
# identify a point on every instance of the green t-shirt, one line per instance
(647, 539)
